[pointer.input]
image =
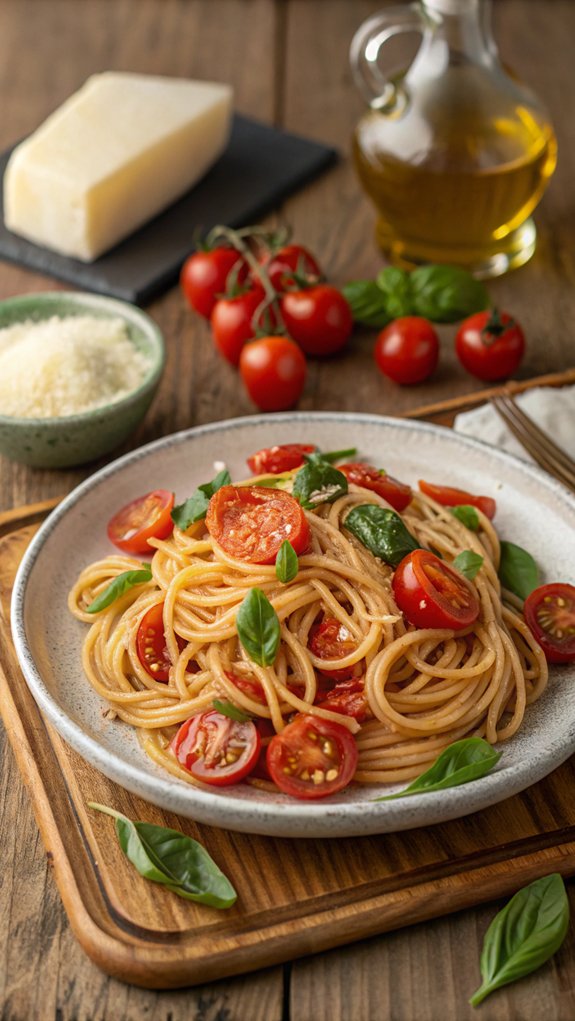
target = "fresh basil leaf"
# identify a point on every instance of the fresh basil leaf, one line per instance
(463, 761)
(518, 571)
(446, 294)
(194, 509)
(169, 857)
(318, 482)
(258, 627)
(525, 934)
(121, 583)
(382, 531)
(468, 563)
(278, 482)
(396, 286)
(367, 303)
(231, 711)
(468, 516)
(332, 455)
(287, 563)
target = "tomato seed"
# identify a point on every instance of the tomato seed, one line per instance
(331, 774)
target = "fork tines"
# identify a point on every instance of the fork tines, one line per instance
(536, 442)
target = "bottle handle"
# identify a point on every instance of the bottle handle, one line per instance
(378, 89)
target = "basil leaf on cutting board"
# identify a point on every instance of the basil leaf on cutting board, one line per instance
(461, 762)
(122, 583)
(524, 935)
(171, 858)
(518, 571)
(258, 627)
(195, 508)
(381, 531)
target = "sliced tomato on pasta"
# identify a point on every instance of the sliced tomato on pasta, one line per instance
(450, 497)
(217, 749)
(432, 594)
(251, 523)
(397, 494)
(330, 639)
(347, 698)
(151, 644)
(283, 458)
(147, 517)
(312, 758)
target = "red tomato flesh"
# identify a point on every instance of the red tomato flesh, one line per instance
(450, 497)
(151, 644)
(396, 493)
(251, 523)
(312, 758)
(550, 614)
(216, 749)
(348, 698)
(330, 639)
(431, 594)
(147, 517)
(283, 458)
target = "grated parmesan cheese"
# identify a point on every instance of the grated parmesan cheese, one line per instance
(65, 366)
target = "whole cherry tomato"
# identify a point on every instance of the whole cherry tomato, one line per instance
(397, 494)
(289, 259)
(273, 370)
(232, 322)
(146, 517)
(432, 594)
(318, 318)
(407, 350)
(450, 497)
(205, 276)
(216, 749)
(550, 614)
(312, 757)
(251, 523)
(490, 345)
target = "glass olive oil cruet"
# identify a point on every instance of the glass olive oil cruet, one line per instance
(454, 152)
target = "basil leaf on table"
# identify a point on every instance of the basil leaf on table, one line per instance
(463, 761)
(122, 583)
(367, 303)
(194, 509)
(525, 934)
(395, 284)
(231, 711)
(518, 571)
(468, 563)
(446, 294)
(381, 531)
(258, 627)
(287, 563)
(468, 516)
(169, 857)
(318, 482)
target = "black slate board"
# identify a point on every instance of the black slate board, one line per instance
(260, 167)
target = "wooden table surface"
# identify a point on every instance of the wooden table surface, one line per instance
(287, 61)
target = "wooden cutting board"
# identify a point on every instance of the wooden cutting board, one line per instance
(294, 897)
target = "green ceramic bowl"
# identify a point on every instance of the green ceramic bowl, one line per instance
(77, 439)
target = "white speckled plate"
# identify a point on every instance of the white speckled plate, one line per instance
(533, 511)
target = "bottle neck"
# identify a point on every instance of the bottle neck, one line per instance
(465, 27)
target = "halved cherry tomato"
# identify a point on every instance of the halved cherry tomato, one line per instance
(349, 699)
(450, 497)
(407, 350)
(432, 594)
(151, 644)
(291, 258)
(273, 370)
(550, 614)
(318, 318)
(397, 494)
(205, 276)
(275, 460)
(232, 322)
(312, 757)
(266, 730)
(250, 523)
(147, 517)
(490, 345)
(248, 685)
(330, 639)
(216, 749)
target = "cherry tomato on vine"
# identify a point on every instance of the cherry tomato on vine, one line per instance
(330, 639)
(450, 497)
(216, 749)
(205, 276)
(397, 494)
(407, 350)
(147, 517)
(232, 321)
(318, 318)
(273, 370)
(312, 757)
(251, 523)
(283, 458)
(289, 259)
(490, 345)
(151, 644)
(432, 594)
(550, 614)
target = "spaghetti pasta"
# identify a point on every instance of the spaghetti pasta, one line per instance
(419, 689)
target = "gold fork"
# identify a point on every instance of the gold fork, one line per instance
(536, 442)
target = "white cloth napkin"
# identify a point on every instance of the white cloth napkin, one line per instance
(553, 409)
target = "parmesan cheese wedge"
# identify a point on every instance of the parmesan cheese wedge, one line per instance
(116, 153)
